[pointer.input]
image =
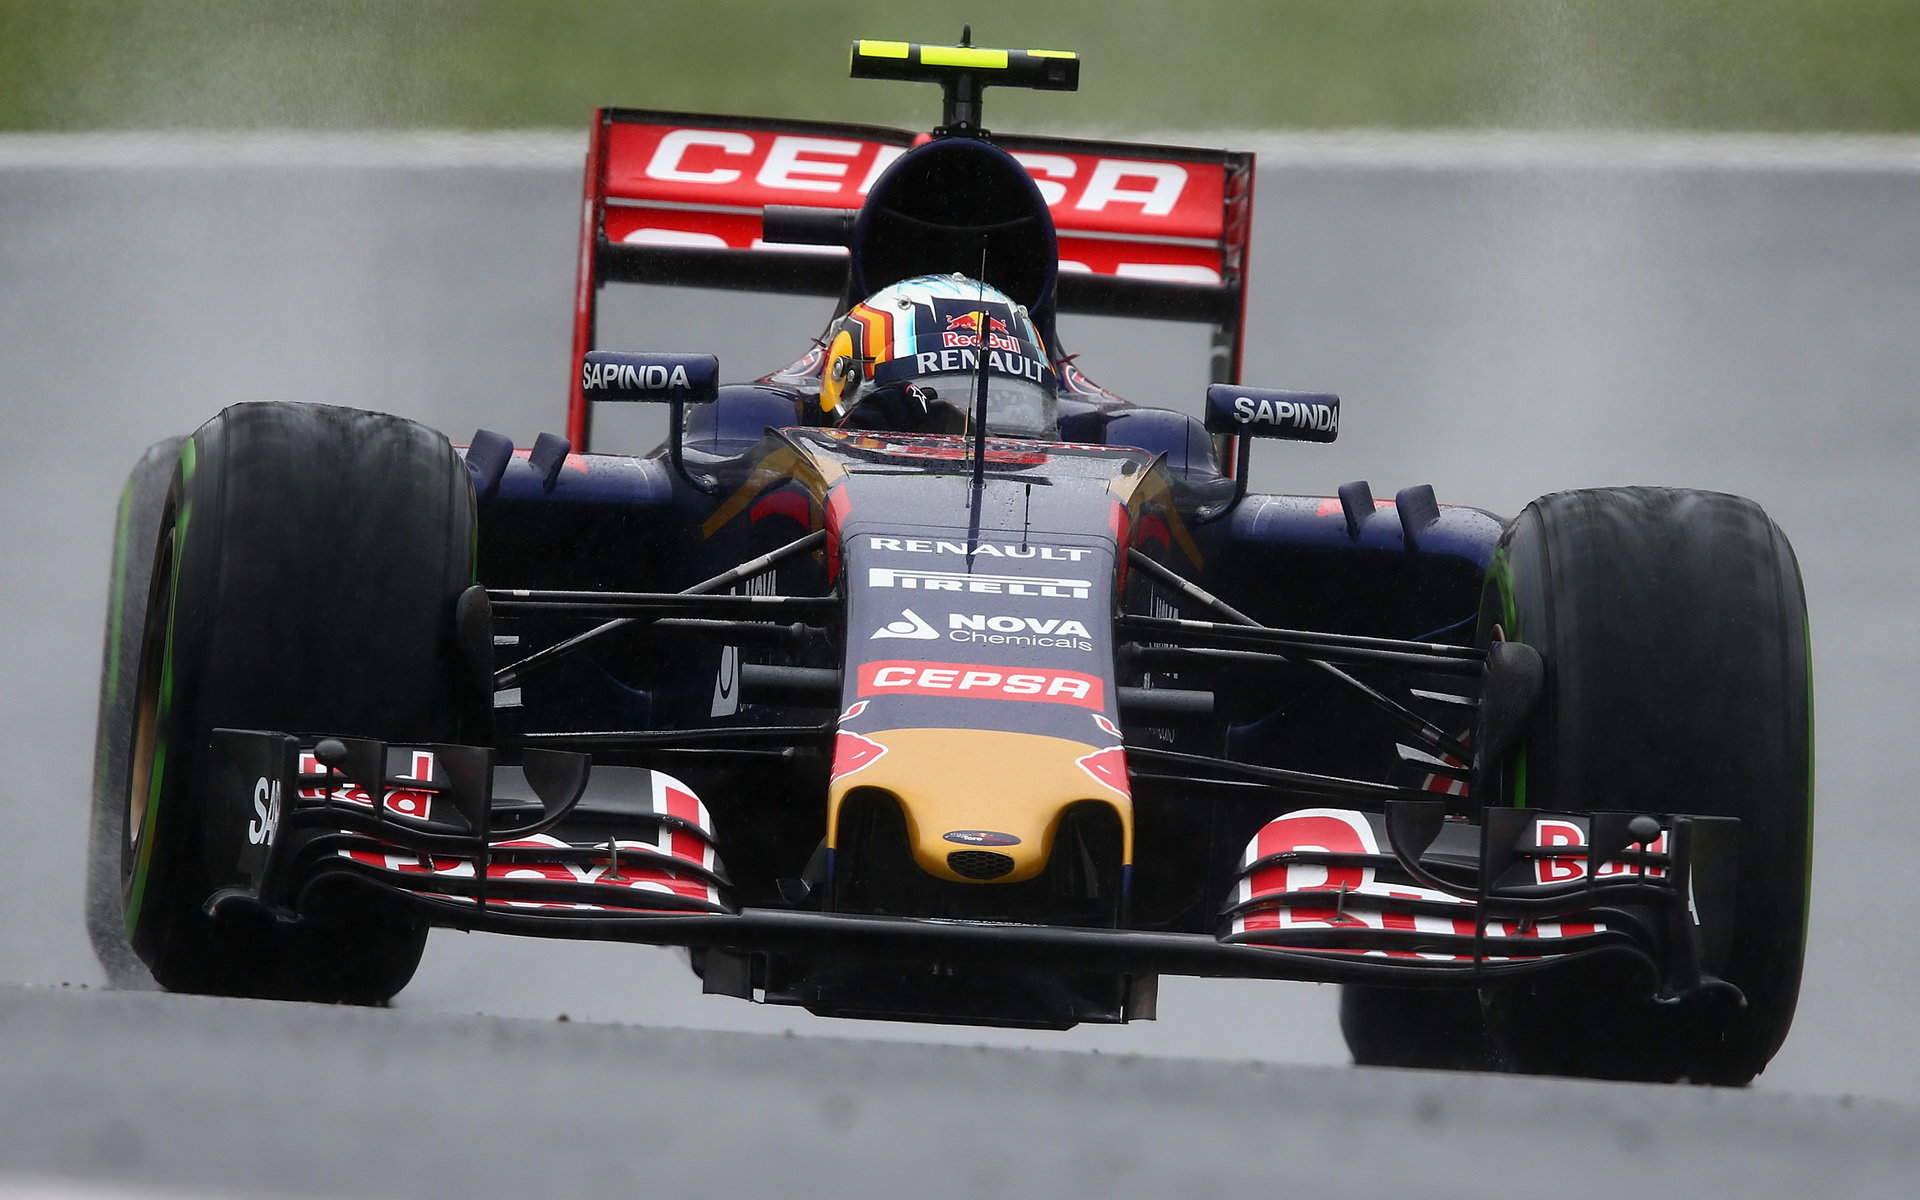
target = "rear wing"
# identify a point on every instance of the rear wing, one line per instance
(679, 199)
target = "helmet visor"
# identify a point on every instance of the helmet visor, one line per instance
(1015, 407)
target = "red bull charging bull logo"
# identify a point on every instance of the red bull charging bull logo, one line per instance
(963, 331)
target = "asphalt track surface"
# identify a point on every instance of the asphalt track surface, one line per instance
(1503, 317)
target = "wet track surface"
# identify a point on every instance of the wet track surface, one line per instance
(1501, 319)
(345, 1102)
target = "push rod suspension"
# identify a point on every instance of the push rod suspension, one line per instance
(508, 676)
(1421, 728)
(662, 604)
(1327, 787)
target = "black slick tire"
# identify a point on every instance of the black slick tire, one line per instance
(1673, 628)
(135, 531)
(307, 565)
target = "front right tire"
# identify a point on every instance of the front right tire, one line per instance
(307, 565)
(1427, 1028)
(136, 529)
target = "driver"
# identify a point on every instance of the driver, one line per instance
(908, 359)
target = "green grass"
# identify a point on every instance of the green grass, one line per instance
(1776, 65)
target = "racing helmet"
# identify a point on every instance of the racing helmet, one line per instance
(928, 332)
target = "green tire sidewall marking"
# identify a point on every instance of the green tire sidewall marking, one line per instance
(115, 620)
(1806, 909)
(173, 607)
(156, 775)
(119, 598)
(1500, 575)
(138, 893)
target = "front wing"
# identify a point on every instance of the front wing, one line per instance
(1409, 897)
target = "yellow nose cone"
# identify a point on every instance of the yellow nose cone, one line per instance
(976, 792)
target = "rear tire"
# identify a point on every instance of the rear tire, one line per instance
(306, 570)
(1673, 628)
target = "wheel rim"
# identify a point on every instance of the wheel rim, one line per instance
(147, 709)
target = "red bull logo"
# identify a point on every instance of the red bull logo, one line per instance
(971, 323)
(963, 330)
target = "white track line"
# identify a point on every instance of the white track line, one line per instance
(537, 149)
(114, 151)
(30, 1187)
(1734, 151)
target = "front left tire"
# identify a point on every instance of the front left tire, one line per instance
(1673, 627)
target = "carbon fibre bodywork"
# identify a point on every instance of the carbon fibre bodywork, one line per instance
(923, 726)
(903, 811)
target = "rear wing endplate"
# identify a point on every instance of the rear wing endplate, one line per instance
(678, 199)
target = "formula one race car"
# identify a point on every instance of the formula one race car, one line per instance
(925, 679)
